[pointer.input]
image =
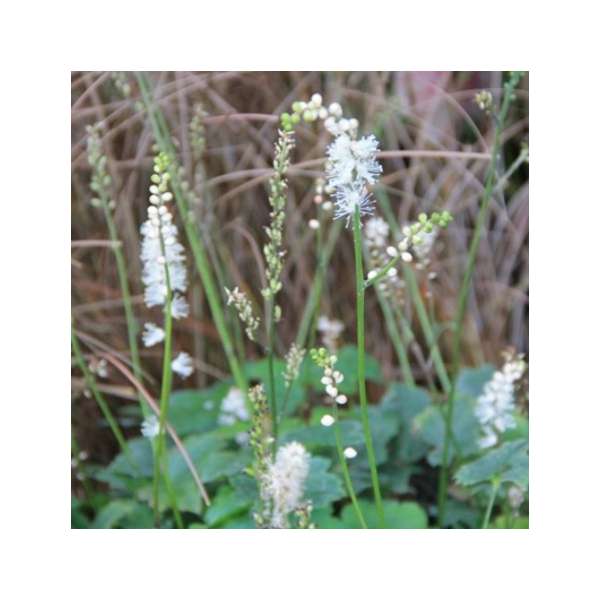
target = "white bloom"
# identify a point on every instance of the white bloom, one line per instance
(152, 335)
(350, 452)
(496, 405)
(327, 420)
(150, 426)
(341, 399)
(179, 307)
(313, 224)
(233, 408)
(347, 198)
(284, 482)
(353, 162)
(183, 365)
(157, 262)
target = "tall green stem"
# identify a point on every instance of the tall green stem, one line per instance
(200, 258)
(345, 470)
(360, 342)
(126, 294)
(270, 362)
(466, 286)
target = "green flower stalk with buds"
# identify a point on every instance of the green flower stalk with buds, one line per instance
(274, 253)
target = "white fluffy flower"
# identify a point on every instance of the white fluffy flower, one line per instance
(352, 165)
(496, 406)
(233, 408)
(284, 482)
(156, 262)
(150, 426)
(183, 365)
(179, 307)
(353, 162)
(152, 335)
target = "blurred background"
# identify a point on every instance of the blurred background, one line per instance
(224, 125)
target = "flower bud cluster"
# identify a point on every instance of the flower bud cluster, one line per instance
(293, 361)
(484, 100)
(244, 310)
(197, 131)
(376, 240)
(314, 110)
(331, 377)
(273, 249)
(101, 180)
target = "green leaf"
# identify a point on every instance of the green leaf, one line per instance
(470, 382)
(322, 486)
(461, 515)
(78, 518)
(465, 429)
(398, 515)
(196, 411)
(509, 462)
(316, 436)
(226, 505)
(128, 514)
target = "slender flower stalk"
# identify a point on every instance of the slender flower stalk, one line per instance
(351, 167)
(362, 386)
(100, 184)
(165, 278)
(491, 176)
(274, 253)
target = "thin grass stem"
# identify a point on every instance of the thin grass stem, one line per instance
(360, 342)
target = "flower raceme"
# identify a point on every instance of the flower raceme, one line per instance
(351, 166)
(495, 407)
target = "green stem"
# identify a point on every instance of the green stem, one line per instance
(466, 286)
(90, 382)
(490, 506)
(200, 258)
(346, 471)
(360, 342)
(165, 390)
(126, 294)
(271, 367)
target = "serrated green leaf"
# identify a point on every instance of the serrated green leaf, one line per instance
(509, 462)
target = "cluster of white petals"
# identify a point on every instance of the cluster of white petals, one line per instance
(496, 406)
(284, 481)
(351, 166)
(233, 408)
(183, 365)
(152, 335)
